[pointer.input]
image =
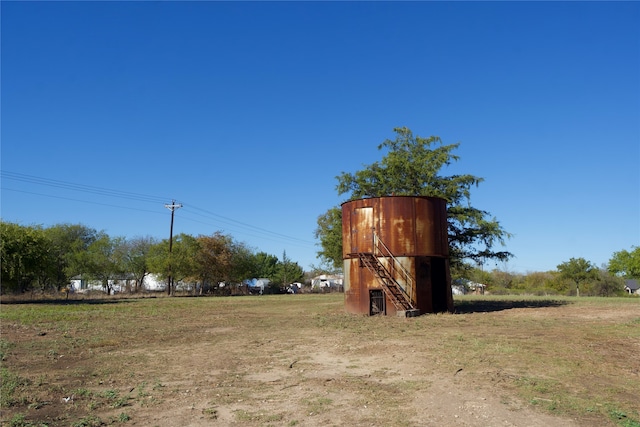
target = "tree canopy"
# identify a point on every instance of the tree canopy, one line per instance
(329, 231)
(34, 258)
(578, 270)
(25, 256)
(103, 260)
(626, 263)
(412, 166)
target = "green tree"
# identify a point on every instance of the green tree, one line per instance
(539, 283)
(501, 279)
(68, 242)
(287, 272)
(559, 283)
(266, 266)
(579, 271)
(244, 263)
(626, 263)
(479, 275)
(214, 258)
(411, 167)
(181, 263)
(329, 231)
(137, 252)
(26, 261)
(104, 261)
(461, 270)
(608, 285)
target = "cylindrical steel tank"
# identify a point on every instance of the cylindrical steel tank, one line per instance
(414, 230)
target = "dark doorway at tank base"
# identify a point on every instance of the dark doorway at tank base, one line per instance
(376, 302)
(439, 281)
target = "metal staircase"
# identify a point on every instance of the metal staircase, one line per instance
(389, 274)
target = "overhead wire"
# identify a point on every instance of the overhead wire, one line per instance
(102, 191)
(78, 200)
(80, 187)
(252, 227)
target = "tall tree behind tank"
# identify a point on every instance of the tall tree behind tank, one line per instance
(412, 167)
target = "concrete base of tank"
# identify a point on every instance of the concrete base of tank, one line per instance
(408, 313)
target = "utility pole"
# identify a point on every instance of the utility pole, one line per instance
(172, 207)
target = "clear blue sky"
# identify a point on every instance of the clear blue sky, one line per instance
(246, 112)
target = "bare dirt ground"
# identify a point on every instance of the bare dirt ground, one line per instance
(300, 360)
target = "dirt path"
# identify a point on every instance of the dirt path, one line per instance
(291, 383)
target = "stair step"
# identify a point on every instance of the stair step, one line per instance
(391, 287)
(389, 284)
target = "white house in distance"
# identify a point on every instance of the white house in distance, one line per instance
(150, 283)
(632, 287)
(328, 281)
(464, 286)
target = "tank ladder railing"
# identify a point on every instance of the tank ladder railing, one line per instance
(390, 286)
(382, 250)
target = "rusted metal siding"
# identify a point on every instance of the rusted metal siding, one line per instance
(360, 280)
(409, 226)
(415, 231)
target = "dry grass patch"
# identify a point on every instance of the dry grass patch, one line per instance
(300, 360)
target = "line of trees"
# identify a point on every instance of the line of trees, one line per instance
(577, 276)
(36, 258)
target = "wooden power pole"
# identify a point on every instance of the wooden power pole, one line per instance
(172, 207)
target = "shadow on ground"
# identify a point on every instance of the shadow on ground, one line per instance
(63, 301)
(485, 305)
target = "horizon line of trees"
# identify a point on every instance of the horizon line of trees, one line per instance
(577, 277)
(42, 259)
(36, 258)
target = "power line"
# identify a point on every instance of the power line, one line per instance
(81, 187)
(79, 200)
(232, 228)
(252, 227)
(268, 235)
(101, 191)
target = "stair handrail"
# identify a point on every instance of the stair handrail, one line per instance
(384, 251)
(373, 264)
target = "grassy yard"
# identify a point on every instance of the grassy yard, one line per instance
(301, 360)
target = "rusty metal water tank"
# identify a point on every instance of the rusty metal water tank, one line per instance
(396, 255)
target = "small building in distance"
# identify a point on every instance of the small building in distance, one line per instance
(631, 286)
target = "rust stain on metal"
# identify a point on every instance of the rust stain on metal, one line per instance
(415, 231)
